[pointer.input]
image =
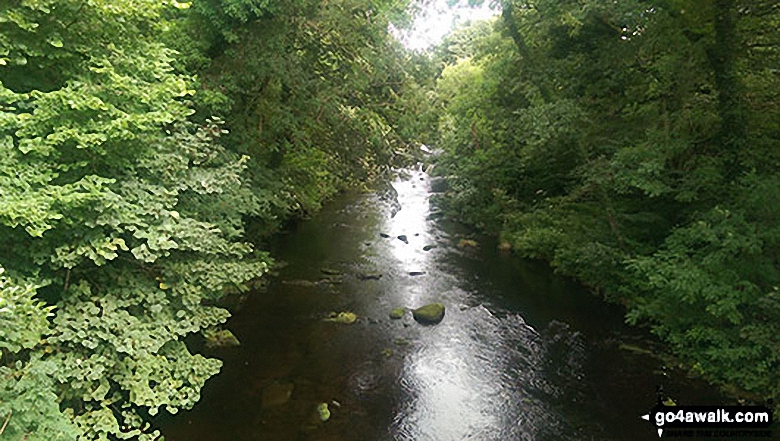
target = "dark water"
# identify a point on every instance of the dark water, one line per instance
(521, 354)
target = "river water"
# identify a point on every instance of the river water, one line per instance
(521, 354)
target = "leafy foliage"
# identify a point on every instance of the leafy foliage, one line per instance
(317, 94)
(621, 142)
(124, 194)
(118, 217)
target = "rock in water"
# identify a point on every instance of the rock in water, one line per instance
(468, 243)
(403, 239)
(428, 247)
(369, 276)
(276, 394)
(330, 271)
(429, 314)
(345, 317)
(384, 235)
(397, 313)
(323, 412)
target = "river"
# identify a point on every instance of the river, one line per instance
(521, 354)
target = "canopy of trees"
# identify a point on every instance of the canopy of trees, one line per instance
(636, 146)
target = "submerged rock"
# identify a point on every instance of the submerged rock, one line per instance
(331, 280)
(468, 243)
(370, 276)
(306, 283)
(276, 394)
(220, 338)
(330, 271)
(397, 313)
(429, 314)
(345, 317)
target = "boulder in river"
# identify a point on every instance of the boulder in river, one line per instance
(416, 273)
(429, 314)
(323, 412)
(384, 235)
(403, 239)
(370, 276)
(468, 243)
(428, 247)
(345, 317)
(276, 394)
(397, 313)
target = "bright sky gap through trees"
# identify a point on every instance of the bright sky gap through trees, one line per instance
(437, 18)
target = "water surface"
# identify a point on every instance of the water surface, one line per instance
(521, 354)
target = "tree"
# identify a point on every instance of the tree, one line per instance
(120, 222)
(621, 142)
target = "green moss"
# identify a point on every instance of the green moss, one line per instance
(345, 317)
(429, 314)
(397, 313)
(323, 411)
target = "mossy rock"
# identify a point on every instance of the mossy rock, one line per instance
(468, 243)
(429, 314)
(323, 412)
(397, 313)
(345, 317)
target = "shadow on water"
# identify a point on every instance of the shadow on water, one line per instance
(521, 353)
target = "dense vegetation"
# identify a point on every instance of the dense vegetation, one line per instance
(636, 146)
(632, 144)
(137, 139)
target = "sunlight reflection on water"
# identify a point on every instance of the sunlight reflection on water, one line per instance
(457, 379)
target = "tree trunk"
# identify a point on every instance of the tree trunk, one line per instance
(723, 58)
(507, 13)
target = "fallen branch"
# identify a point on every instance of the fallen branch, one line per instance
(2, 429)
